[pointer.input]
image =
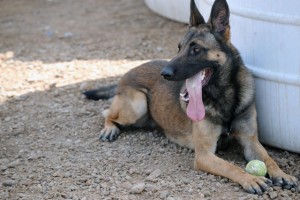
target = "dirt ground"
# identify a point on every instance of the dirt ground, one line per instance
(51, 51)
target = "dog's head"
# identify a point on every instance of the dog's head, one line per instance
(203, 52)
(203, 45)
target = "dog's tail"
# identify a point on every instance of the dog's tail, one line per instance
(106, 92)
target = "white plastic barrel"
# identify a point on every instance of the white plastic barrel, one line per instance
(267, 34)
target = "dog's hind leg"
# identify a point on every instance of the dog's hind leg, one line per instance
(129, 107)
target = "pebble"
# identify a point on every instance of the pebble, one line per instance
(138, 188)
(236, 189)
(106, 192)
(153, 175)
(206, 193)
(8, 183)
(7, 119)
(159, 49)
(151, 188)
(13, 164)
(67, 174)
(58, 173)
(68, 35)
(190, 191)
(170, 198)
(218, 184)
(143, 137)
(273, 195)
(22, 98)
(85, 86)
(163, 194)
(3, 167)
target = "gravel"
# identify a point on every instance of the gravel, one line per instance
(138, 188)
(50, 52)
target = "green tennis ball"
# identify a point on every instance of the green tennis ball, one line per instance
(256, 168)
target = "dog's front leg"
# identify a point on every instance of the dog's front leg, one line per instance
(254, 150)
(205, 136)
(245, 130)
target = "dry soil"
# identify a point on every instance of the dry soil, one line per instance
(51, 51)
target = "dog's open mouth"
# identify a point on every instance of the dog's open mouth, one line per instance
(192, 95)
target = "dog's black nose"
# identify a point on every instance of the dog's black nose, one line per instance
(167, 73)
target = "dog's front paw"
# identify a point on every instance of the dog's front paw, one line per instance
(282, 179)
(109, 133)
(256, 184)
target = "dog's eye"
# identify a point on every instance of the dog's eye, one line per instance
(195, 51)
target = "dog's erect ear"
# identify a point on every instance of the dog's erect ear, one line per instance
(195, 18)
(219, 19)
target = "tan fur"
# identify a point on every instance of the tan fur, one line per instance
(216, 55)
(127, 107)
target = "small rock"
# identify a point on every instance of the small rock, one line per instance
(7, 119)
(241, 194)
(3, 168)
(171, 198)
(224, 180)
(89, 182)
(13, 164)
(34, 156)
(130, 54)
(63, 195)
(138, 188)
(85, 125)
(57, 174)
(159, 49)
(199, 185)
(8, 183)
(68, 35)
(277, 188)
(148, 171)
(206, 193)
(190, 191)
(106, 192)
(126, 185)
(218, 184)
(164, 194)
(273, 195)
(67, 174)
(293, 190)
(236, 189)
(151, 188)
(143, 137)
(85, 86)
(49, 33)
(72, 188)
(132, 171)
(113, 189)
(22, 97)
(201, 195)
(6, 56)
(156, 173)
(161, 150)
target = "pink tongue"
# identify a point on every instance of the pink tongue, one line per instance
(195, 108)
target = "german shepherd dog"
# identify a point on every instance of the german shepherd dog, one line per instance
(204, 92)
